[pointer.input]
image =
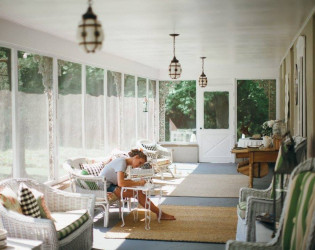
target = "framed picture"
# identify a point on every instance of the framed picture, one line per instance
(296, 85)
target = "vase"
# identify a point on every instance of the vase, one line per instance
(267, 141)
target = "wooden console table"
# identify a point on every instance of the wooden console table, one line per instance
(256, 155)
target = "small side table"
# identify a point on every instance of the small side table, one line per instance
(147, 189)
(23, 244)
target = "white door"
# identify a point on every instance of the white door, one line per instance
(216, 108)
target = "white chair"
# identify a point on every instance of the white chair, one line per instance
(87, 184)
(253, 202)
(58, 202)
(297, 224)
(160, 157)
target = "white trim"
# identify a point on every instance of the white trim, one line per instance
(16, 171)
(298, 34)
(147, 113)
(83, 92)
(136, 106)
(106, 148)
(55, 117)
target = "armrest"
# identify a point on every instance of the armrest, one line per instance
(59, 200)
(233, 244)
(27, 227)
(245, 192)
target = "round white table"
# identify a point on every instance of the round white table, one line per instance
(244, 143)
(147, 189)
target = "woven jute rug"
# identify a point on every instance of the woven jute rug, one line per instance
(193, 223)
(203, 185)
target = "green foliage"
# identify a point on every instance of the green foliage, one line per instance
(142, 87)
(253, 104)
(181, 104)
(94, 81)
(216, 110)
(129, 86)
(5, 69)
(69, 80)
(30, 81)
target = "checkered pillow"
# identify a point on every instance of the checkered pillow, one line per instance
(28, 201)
(93, 169)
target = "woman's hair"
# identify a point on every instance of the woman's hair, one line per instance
(137, 152)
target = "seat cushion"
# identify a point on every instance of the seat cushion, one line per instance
(163, 161)
(241, 209)
(69, 221)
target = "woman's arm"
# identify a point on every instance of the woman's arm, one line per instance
(128, 183)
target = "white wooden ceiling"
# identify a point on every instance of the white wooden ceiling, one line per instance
(230, 33)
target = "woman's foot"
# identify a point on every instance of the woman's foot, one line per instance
(165, 216)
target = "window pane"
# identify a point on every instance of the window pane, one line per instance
(112, 109)
(151, 109)
(69, 113)
(35, 79)
(178, 111)
(142, 110)
(256, 103)
(129, 113)
(6, 155)
(216, 110)
(94, 112)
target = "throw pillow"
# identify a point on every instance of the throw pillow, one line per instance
(151, 147)
(89, 184)
(44, 210)
(28, 201)
(93, 169)
(9, 200)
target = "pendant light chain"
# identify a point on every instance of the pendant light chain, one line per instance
(174, 45)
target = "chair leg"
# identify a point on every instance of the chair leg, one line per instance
(168, 170)
(106, 215)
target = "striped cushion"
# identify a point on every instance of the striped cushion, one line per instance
(299, 211)
(28, 201)
(68, 222)
(91, 185)
(93, 169)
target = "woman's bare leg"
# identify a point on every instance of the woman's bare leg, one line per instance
(141, 199)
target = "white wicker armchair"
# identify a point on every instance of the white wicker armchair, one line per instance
(72, 166)
(160, 157)
(27, 227)
(300, 201)
(257, 201)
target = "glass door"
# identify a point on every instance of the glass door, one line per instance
(216, 123)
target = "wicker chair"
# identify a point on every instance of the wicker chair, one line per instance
(27, 227)
(292, 219)
(72, 166)
(160, 157)
(257, 201)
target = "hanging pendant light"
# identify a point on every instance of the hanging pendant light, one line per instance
(203, 79)
(174, 69)
(90, 34)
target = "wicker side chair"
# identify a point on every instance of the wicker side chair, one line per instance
(160, 157)
(27, 227)
(96, 185)
(298, 212)
(253, 202)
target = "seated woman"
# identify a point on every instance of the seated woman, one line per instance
(115, 177)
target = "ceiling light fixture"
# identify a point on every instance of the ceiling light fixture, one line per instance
(90, 33)
(174, 69)
(203, 79)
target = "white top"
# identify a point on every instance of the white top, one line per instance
(244, 143)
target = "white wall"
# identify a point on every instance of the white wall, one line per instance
(12, 34)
